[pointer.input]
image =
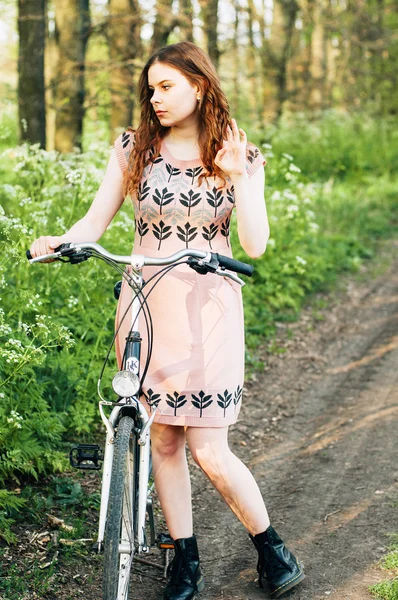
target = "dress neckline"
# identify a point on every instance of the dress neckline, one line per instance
(178, 162)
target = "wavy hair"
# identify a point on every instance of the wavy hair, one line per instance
(214, 116)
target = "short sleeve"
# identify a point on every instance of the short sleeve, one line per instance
(123, 146)
(254, 159)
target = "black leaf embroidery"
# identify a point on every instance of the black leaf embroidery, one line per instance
(161, 232)
(193, 173)
(210, 233)
(215, 199)
(162, 198)
(187, 234)
(190, 201)
(231, 195)
(252, 155)
(142, 228)
(157, 160)
(125, 139)
(172, 171)
(225, 229)
(143, 191)
(176, 401)
(202, 402)
(224, 401)
(237, 395)
(153, 399)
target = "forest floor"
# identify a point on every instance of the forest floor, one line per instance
(318, 429)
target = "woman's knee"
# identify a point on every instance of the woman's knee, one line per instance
(212, 461)
(167, 440)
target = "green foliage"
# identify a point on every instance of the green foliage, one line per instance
(340, 145)
(57, 321)
(388, 590)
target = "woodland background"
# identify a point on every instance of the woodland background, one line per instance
(314, 85)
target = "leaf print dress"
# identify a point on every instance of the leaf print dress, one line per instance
(195, 377)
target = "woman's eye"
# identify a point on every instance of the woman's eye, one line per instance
(166, 87)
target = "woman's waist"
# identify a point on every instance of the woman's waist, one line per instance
(164, 250)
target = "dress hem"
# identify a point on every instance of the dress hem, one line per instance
(189, 421)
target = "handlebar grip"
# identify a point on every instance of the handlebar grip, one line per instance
(28, 255)
(235, 265)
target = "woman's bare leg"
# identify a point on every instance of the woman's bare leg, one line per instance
(173, 485)
(232, 479)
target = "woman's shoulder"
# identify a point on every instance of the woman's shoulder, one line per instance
(254, 159)
(123, 146)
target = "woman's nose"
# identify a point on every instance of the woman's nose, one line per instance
(155, 98)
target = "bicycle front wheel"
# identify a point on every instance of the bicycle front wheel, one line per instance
(121, 519)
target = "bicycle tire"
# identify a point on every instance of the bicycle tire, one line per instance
(121, 520)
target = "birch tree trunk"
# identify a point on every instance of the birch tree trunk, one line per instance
(72, 21)
(31, 100)
(124, 28)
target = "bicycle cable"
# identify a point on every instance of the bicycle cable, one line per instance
(143, 307)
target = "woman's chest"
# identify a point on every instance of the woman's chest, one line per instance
(179, 196)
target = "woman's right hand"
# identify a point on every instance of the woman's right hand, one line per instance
(45, 245)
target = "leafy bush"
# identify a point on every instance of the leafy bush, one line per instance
(56, 321)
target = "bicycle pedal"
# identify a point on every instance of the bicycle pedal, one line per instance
(86, 457)
(165, 541)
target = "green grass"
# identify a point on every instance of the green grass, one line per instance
(388, 590)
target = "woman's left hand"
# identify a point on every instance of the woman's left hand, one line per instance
(231, 158)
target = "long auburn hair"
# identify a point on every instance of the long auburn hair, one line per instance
(214, 116)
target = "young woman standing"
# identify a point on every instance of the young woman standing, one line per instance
(186, 167)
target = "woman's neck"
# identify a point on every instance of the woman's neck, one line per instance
(183, 142)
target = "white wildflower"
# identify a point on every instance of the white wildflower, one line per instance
(276, 195)
(287, 156)
(301, 260)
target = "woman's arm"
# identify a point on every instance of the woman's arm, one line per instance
(90, 228)
(251, 212)
(253, 228)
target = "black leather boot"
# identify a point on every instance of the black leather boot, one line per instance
(276, 564)
(185, 576)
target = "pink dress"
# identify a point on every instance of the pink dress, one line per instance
(196, 373)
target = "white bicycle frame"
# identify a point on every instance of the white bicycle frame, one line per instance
(137, 262)
(143, 446)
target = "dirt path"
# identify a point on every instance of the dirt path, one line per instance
(319, 431)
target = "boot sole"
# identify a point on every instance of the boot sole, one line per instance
(289, 584)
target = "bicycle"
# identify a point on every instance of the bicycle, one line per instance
(126, 491)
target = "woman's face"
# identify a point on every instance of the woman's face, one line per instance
(174, 98)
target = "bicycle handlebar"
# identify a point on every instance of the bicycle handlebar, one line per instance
(211, 259)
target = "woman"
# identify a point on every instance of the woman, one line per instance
(186, 167)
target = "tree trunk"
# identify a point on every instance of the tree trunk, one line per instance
(285, 14)
(186, 19)
(164, 24)
(253, 76)
(72, 19)
(209, 10)
(31, 101)
(124, 47)
(275, 52)
(236, 63)
(318, 57)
